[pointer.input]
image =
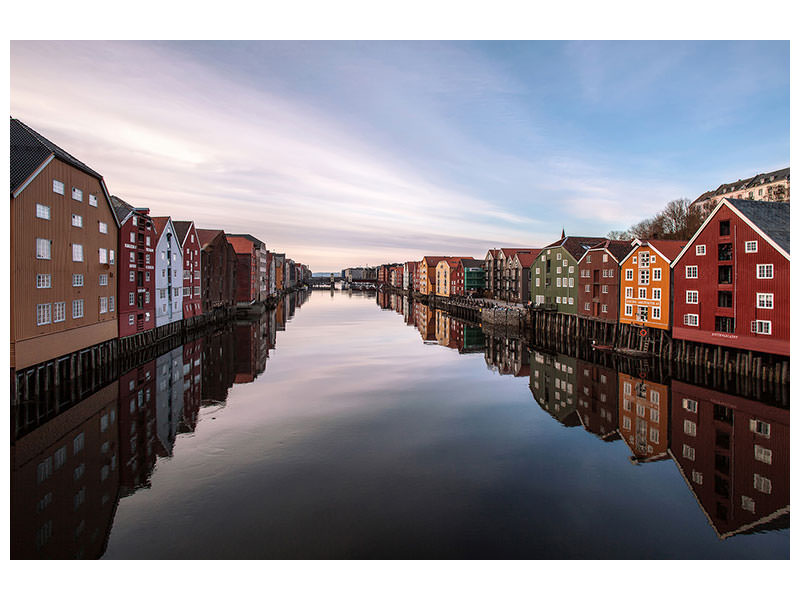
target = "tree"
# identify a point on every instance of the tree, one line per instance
(618, 235)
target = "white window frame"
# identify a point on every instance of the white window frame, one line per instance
(59, 312)
(103, 279)
(58, 187)
(656, 294)
(629, 292)
(43, 314)
(44, 249)
(77, 220)
(77, 309)
(628, 274)
(77, 194)
(103, 304)
(92, 200)
(102, 227)
(102, 254)
(692, 297)
(629, 310)
(43, 211)
(691, 320)
(77, 252)
(691, 271)
(657, 274)
(700, 250)
(761, 327)
(751, 246)
(77, 280)
(767, 269)
(765, 301)
(44, 281)
(656, 313)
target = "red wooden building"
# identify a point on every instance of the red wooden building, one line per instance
(598, 283)
(136, 283)
(192, 286)
(246, 269)
(731, 281)
(734, 455)
(598, 408)
(217, 270)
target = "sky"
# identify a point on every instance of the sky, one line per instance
(351, 153)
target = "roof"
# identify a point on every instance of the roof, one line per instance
(252, 238)
(576, 246)
(619, 249)
(668, 249)
(511, 252)
(121, 208)
(241, 245)
(433, 260)
(778, 175)
(526, 259)
(182, 229)
(206, 236)
(772, 218)
(30, 149)
(470, 263)
(159, 223)
(494, 252)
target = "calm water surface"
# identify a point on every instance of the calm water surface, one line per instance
(346, 428)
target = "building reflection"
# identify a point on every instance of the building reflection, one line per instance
(553, 381)
(643, 410)
(506, 356)
(192, 384)
(251, 341)
(65, 480)
(169, 399)
(734, 455)
(137, 427)
(597, 400)
(218, 366)
(425, 321)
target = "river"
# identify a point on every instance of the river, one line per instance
(347, 425)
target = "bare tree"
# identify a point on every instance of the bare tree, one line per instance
(618, 235)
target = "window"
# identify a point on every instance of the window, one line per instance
(763, 454)
(133, 220)
(656, 313)
(131, 275)
(656, 293)
(77, 309)
(725, 251)
(147, 276)
(605, 308)
(626, 422)
(131, 321)
(697, 477)
(691, 272)
(571, 300)
(643, 293)
(692, 297)
(725, 274)
(725, 299)
(604, 289)
(77, 280)
(43, 211)
(748, 503)
(700, 250)
(77, 194)
(162, 293)
(628, 274)
(763, 271)
(147, 297)
(628, 310)
(59, 311)
(640, 410)
(759, 427)
(147, 259)
(78, 472)
(196, 289)
(691, 320)
(147, 242)
(657, 274)
(690, 405)
(725, 227)
(43, 248)
(586, 306)
(103, 304)
(111, 303)
(42, 314)
(77, 221)
(605, 257)
(103, 253)
(644, 259)
(762, 300)
(762, 484)
(627, 389)
(58, 187)
(587, 288)
(43, 280)
(131, 298)
(688, 452)
(654, 436)
(761, 327)
(750, 247)
(629, 292)
(92, 200)
(77, 443)
(77, 253)
(689, 427)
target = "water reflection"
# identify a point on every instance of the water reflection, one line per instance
(487, 471)
(76, 452)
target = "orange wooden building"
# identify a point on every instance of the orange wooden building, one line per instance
(645, 283)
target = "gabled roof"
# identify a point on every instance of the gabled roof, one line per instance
(526, 259)
(206, 236)
(618, 249)
(768, 219)
(30, 149)
(511, 252)
(122, 209)
(772, 218)
(667, 249)
(779, 175)
(252, 238)
(493, 252)
(576, 246)
(433, 260)
(470, 263)
(182, 229)
(241, 245)
(159, 224)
